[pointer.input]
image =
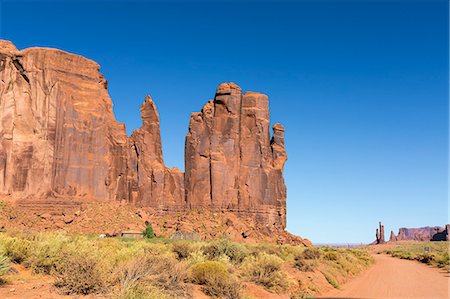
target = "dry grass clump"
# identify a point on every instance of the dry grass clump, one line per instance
(304, 265)
(311, 254)
(216, 279)
(265, 269)
(80, 274)
(4, 265)
(151, 274)
(331, 256)
(182, 249)
(331, 279)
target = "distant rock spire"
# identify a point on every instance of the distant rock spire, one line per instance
(380, 234)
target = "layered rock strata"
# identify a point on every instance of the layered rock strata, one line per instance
(59, 139)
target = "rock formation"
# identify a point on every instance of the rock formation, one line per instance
(380, 234)
(151, 183)
(59, 139)
(231, 162)
(58, 134)
(427, 233)
(392, 237)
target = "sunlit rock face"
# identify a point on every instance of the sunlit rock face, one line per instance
(58, 133)
(231, 161)
(59, 139)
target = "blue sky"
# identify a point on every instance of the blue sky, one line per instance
(361, 87)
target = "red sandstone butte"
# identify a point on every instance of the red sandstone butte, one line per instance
(59, 139)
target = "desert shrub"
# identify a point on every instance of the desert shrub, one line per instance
(45, 253)
(160, 272)
(301, 264)
(80, 274)
(4, 265)
(265, 270)
(330, 256)
(224, 247)
(331, 280)
(196, 257)
(182, 249)
(142, 292)
(209, 270)
(17, 249)
(301, 295)
(216, 279)
(443, 261)
(148, 232)
(311, 254)
(362, 256)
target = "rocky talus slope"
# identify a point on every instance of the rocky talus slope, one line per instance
(60, 145)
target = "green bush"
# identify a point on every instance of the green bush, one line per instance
(265, 270)
(224, 247)
(216, 279)
(148, 232)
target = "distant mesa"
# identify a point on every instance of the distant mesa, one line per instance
(60, 140)
(428, 233)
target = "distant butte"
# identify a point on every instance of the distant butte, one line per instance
(60, 140)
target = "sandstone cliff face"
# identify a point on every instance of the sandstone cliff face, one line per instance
(231, 162)
(59, 139)
(58, 133)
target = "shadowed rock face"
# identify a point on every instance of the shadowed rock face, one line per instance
(59, 138)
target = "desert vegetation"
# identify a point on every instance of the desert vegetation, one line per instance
(431, 253)
(162, 268)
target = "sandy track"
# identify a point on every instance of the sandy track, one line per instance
(395, 278)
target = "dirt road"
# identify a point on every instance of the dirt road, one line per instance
(395, 278)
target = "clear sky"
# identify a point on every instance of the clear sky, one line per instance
(361, 87)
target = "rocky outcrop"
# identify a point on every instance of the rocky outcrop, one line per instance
(58, 134)
(231, 162)
(392, 237)
(427, 233)
(59, 140)
(152, 184)
(380, 235)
